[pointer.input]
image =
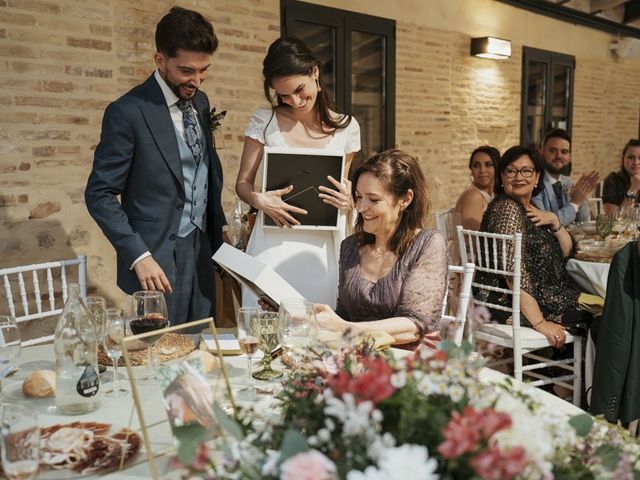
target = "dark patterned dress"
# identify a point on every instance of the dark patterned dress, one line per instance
(544, 276)
(413, 288)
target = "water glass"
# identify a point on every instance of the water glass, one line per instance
(20, 441)
(247, 337)
(265, 325)
(97, 306)
(604, 224)
(114, 332)
(297, 329)
(9, 343)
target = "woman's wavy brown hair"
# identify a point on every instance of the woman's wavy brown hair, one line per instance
(398, 171)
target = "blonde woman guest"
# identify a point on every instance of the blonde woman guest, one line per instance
(475, 199)
(302, 116)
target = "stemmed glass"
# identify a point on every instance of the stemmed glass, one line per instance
(114, 332)
(97, 306)
(620, 220)
(9, 345)
(604, 224)
(20, 441)
(297, 328)
(265, 325)
(247, 338)
(149, 313)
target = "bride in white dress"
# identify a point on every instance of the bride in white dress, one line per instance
(302, 117)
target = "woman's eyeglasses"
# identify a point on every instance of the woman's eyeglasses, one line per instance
(526, 172)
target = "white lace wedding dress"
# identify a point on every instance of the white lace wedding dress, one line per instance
(307, 259)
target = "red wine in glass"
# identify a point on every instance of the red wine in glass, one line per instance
(148, 323)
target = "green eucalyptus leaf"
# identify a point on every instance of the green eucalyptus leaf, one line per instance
(609, 455)
(581, 424)
(227, 423)
(188, 438)
(293, 443)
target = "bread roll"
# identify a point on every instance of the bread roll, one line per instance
(207, 359)
(40, 384)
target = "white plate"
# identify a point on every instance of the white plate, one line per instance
(12, 392)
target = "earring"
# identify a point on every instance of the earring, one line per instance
(318, 85)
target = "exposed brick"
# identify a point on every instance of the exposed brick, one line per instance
(39, 101)
(99, 73)
(36, 5)
(16, 18)
(44, 210)
(55, 86)
(44, 134)
(23, 198)
(47, 151)
(45, 240)
(89, 43)
(9, 169)
(7, 200)
(104, 30)
(24, 166)
(19, 51)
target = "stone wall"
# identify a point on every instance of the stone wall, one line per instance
(62, 62)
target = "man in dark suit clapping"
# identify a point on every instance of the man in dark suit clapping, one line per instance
(156, 152)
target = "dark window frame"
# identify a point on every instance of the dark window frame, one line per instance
(551, 59)
(345, 22)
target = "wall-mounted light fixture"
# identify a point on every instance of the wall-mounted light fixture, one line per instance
(491, 47)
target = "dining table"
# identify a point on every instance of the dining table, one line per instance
(120, 412)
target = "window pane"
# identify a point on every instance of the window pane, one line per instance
(367, 88)
(535, 106)
(561, 88)
(321, 39)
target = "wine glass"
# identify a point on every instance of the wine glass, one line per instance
(114, 332)
(20, 441)
(9, 345)
(149, 313)
(247, 338)
(604, 223)
(620, 220)
(297, 328)
(97, 306)
(265, 325)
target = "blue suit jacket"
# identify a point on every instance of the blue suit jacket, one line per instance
(546, 200)
(138, 159)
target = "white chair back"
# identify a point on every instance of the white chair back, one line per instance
(464, 296)
(445, 223)
(36, 301)
(490, 253)
(595, 207)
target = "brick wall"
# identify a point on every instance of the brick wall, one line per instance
(62, 62)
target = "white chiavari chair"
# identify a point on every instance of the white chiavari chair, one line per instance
(463, 297)
(35, 300)
(489, 252)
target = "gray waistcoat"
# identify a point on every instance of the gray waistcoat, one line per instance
(196, 179)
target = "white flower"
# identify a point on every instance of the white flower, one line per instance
(401, 463)
(399, 379)
(324, 435)
(269, 468)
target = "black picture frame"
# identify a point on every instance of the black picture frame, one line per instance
(306, 170)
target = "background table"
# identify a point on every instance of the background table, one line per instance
(591, 277)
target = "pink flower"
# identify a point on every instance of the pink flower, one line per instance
(311, 465)
(493, 464)
(373, 384)
(465, 431)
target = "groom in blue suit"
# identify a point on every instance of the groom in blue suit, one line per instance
(156, 152)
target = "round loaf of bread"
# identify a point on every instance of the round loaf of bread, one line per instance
(40, 384)
(207, 359)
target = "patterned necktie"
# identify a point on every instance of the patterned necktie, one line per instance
(190, 129)
(557, 189)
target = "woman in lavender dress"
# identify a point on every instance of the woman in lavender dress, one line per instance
(393, 271)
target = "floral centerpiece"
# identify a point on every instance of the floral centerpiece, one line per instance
(359, 414)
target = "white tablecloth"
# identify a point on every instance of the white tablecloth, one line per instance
(591, 277)
(118, 411)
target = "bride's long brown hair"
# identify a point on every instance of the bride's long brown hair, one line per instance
(288, 57)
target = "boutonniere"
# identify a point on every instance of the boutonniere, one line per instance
(216, 119)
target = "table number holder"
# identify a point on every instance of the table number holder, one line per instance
(134, 388)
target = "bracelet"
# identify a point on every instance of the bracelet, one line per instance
(556, 230)
(534, 326)
(630, 194)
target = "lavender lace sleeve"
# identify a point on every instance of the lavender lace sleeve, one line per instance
(413, 288)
